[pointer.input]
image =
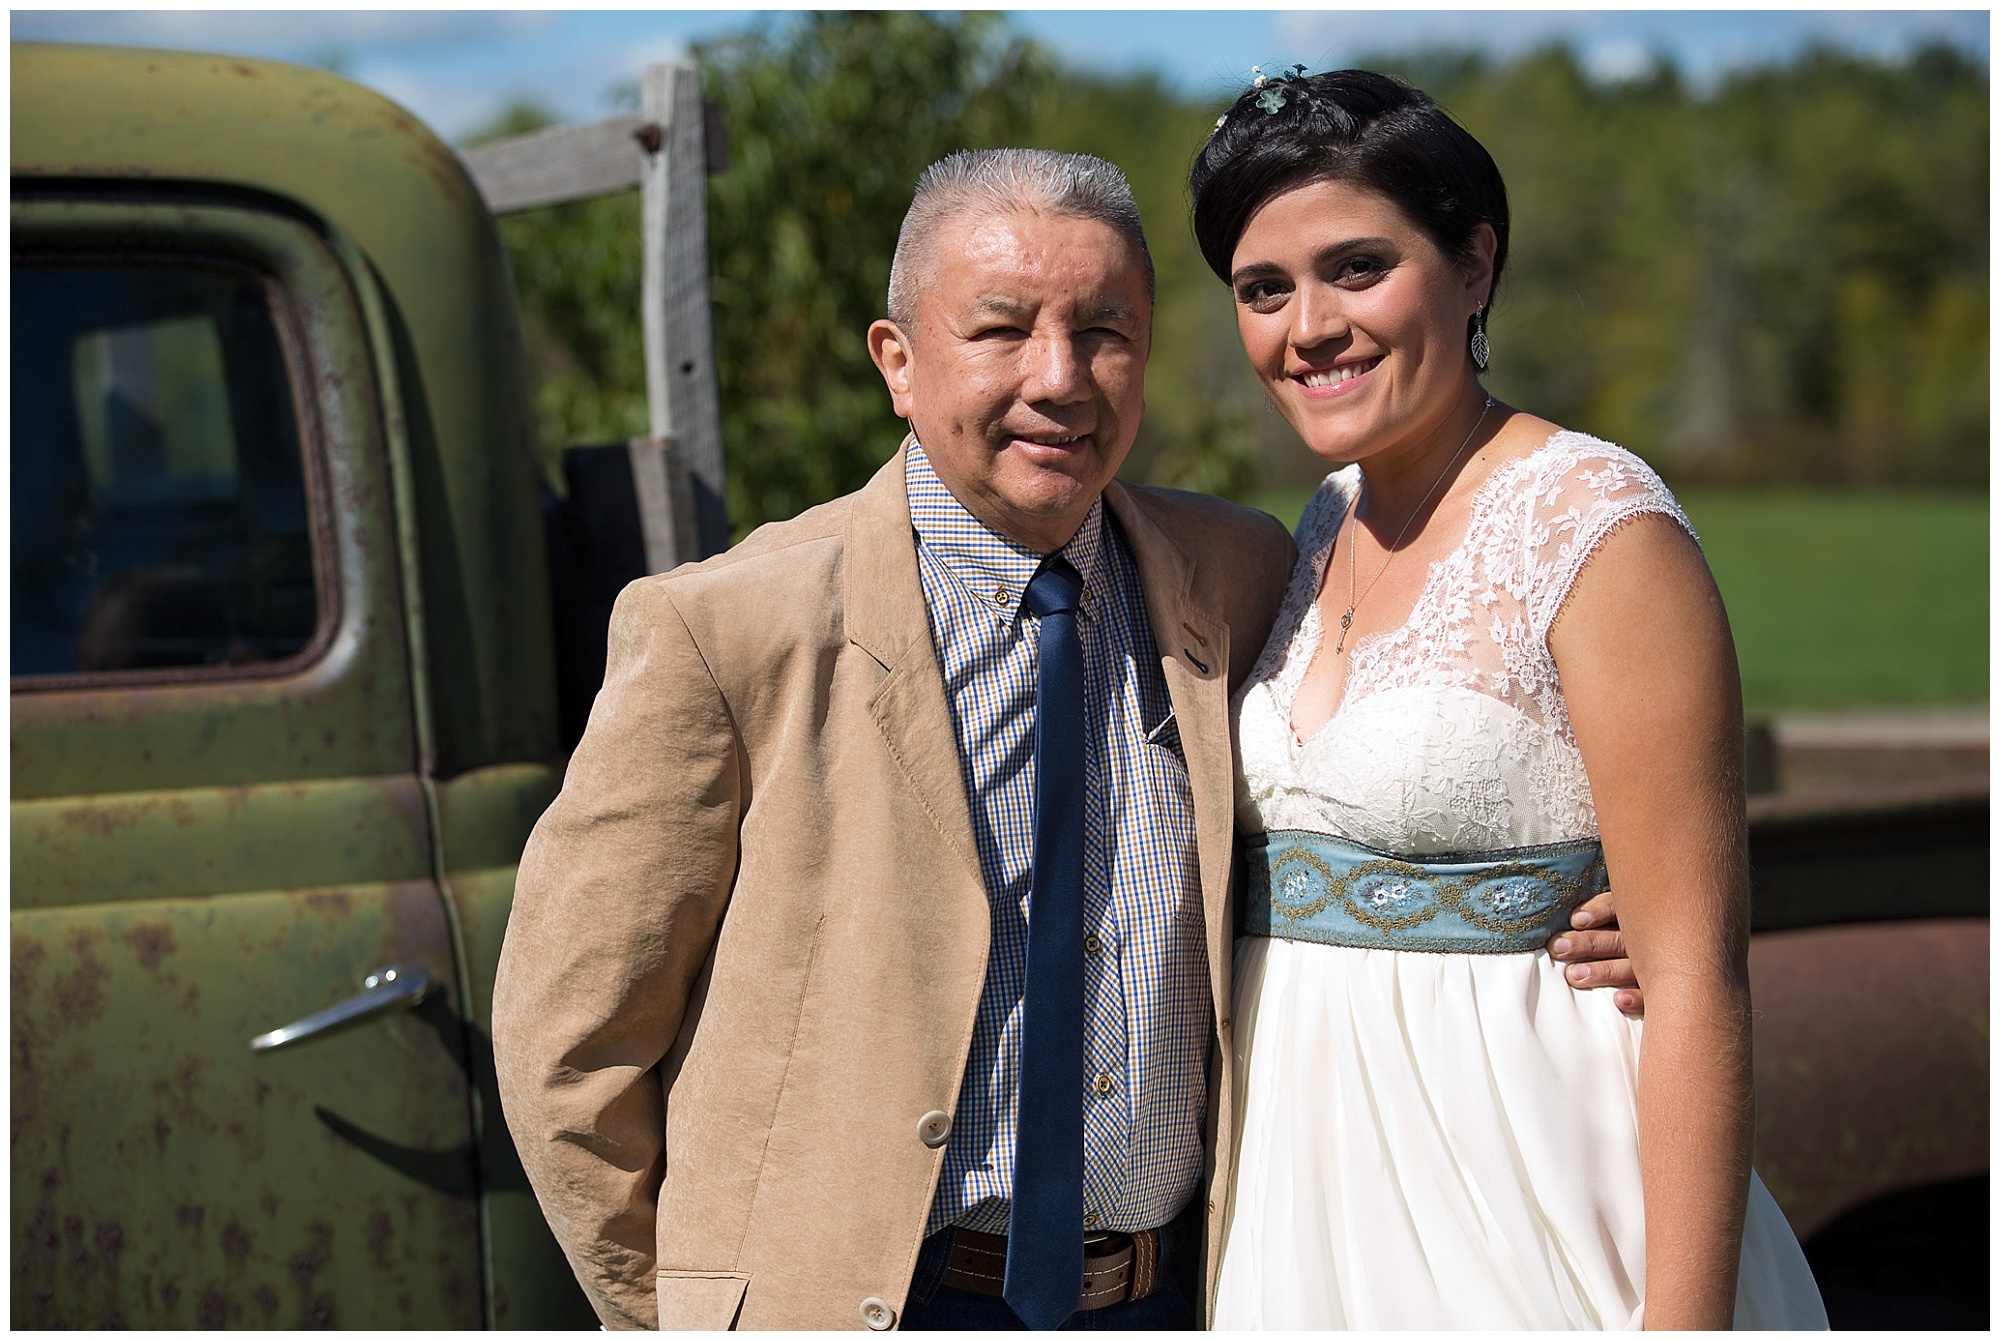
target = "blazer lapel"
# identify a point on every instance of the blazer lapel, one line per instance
(887, 618)
(1193, 645)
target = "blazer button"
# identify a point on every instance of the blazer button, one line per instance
(878, 1315)
(934, 1128)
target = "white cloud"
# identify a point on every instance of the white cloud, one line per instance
(455, 70)
(1616, 60)
(292, 34)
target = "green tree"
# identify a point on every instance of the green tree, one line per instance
(576, 272)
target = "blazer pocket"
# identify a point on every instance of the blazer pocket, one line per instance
(700, 1301)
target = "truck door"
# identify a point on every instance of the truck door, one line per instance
(218, 826)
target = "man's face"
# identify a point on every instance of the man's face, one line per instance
(1025, 376)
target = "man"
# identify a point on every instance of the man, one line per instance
(775, 1019)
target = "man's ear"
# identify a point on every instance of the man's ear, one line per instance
(890, 348)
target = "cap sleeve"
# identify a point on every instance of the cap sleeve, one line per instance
(1585, 490)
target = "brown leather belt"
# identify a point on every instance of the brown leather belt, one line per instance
(1116, 1267)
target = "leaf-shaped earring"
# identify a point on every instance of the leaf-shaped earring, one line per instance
(1482, 353)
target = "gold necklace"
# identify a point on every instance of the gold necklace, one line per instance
(1353, 511)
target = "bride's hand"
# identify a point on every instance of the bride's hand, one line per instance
(1595, 953)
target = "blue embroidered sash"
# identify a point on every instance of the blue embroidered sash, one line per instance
(1314, 887)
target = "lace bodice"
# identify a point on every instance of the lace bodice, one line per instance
(1452, 734)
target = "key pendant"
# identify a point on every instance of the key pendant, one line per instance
(1346, 622)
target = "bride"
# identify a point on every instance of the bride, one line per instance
(1501, 671)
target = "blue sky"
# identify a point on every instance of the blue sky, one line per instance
(457, 68)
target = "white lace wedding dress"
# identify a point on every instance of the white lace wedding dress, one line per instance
(1447, 1140)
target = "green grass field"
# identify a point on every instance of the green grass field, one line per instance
(1839, 600)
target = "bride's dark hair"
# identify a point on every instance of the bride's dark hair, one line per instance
(1352, 126)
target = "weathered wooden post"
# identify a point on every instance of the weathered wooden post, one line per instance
(680, 347)
(666, 150)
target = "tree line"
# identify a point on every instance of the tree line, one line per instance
(1782, 280)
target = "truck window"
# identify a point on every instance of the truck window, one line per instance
(160, 517)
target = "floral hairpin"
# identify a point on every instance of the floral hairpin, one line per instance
(1271, 91)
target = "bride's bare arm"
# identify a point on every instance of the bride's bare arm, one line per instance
(1649, 673)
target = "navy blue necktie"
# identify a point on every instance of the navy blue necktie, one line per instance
(1045, 1223)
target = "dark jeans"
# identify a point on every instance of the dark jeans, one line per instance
(935, 1307)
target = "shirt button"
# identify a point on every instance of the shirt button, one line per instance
(1091, 945)
(1092, 1220)
(1002, 596)
(878, 1315)
(934, 1128)
(1102, 1084)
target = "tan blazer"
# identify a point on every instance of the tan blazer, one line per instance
(749, 937)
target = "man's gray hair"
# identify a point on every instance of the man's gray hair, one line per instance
(990, 182)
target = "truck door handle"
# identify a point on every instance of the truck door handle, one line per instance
(397, 987)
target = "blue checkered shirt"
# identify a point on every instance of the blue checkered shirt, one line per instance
(1146, 995)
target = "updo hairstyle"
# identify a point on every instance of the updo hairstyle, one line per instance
(1355, 127)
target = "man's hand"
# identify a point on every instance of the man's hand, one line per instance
(1595, 953)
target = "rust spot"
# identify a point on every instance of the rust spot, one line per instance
(25, 1080)
(190, 1216)
(335, 902)
(78, 996)
(161, 1131)
(267, 1298)
(247, 71)
(269, 1202)
(28, 956)
(176, 1092)
(170, 1293)
(211, 1314)
(235, 1241)
(307, 1261)
(153, 941)
(417, 919)
(80, 1259)
(378, 1232)
(102, 821)
(41, 1242)
(110, 1238)
(316, 1311)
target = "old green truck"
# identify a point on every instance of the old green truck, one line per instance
(284, 706)
(287, 700)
